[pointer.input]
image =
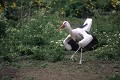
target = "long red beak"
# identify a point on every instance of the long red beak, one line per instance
(62, 26)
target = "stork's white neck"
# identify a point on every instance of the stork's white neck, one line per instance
(72, 34)
(69, 29)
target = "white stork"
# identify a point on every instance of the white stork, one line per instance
(78, 38)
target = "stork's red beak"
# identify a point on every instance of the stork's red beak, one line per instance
(62, 26)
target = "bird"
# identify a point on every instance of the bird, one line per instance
(79, 38)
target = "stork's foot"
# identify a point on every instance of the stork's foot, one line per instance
(73, 59)
(81, 61)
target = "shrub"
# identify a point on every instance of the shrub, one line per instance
(3, 25)
(2, 29)
(72, 8)
(107, 31)
(36, 39)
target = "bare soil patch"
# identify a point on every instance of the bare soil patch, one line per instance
(64, 70)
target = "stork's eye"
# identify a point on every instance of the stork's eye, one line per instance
(64, 22)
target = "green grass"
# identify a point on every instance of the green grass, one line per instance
(115, 77)
(107, 30)
(39, 38)
(5, 78)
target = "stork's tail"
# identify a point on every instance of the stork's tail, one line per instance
(87, 25)
(83, 25)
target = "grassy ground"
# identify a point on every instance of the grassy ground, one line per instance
(91, 69)
(28, 53)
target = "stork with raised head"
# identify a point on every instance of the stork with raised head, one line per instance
(78, 38)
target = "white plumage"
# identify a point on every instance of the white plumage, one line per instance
(79, 35)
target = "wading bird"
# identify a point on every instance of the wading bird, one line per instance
(79, 39)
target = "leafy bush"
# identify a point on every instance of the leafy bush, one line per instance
(80, 9)
(2, 29)
(83, 8)
(3, 25)
(103, 5)
(37, 39)
(107, 31)
(72, 8)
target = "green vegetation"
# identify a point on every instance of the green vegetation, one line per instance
(15, 9)
(106, 28)
(33, 34)
(37, 37)
(115, 77)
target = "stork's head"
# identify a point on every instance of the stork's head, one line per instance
(65, 24)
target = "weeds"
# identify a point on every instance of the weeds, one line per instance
(115, 77)
(107, 31)
(39, 39)
(5, 78)
(33, 40)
